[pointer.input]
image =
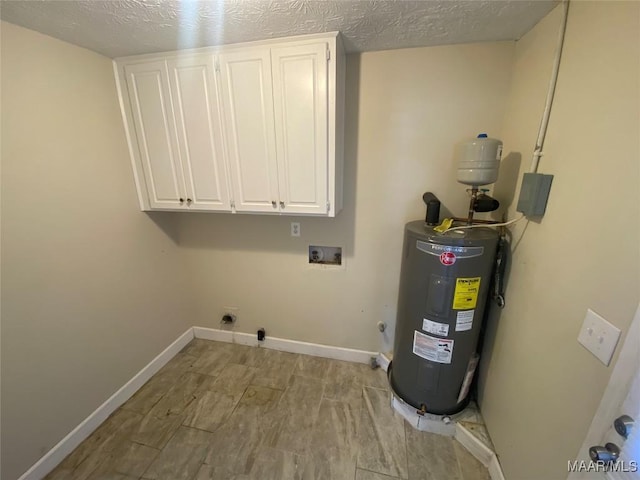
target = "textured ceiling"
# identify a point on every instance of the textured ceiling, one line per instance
(127, 27)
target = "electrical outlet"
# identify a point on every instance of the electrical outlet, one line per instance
(295, 229)
(599, 336)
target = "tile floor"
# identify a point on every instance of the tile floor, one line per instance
(225, 411)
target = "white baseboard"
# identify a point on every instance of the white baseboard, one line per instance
(65, 446)
(480, 451)
(495, 470)
(284, 345)
(384, 361)
(475, 447)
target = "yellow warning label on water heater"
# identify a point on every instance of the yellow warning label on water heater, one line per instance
(466, 295)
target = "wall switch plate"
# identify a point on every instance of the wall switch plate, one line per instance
(599, 336)
(295, 229)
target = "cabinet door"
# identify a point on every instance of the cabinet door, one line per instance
(148, 86)
(300, 106)
(249, 130)
(197, 115)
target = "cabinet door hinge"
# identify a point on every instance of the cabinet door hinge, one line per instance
(328, 206)
(233, 205)
(328, 55)
(217, 66)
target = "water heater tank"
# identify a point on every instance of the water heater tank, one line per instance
(444, 284)
(479, 160)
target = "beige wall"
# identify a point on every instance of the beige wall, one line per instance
(542, 388)
(91, 287)
(405, 111)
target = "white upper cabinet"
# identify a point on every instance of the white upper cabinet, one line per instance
(179, 147)
(250, 132)
(195, 100)
(300, 107)
(156, 152)
(254, 128)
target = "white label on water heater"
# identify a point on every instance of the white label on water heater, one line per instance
(437, 350)
(464, 320)
(436, 328)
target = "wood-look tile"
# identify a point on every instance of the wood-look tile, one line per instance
(336, 427)
(430, 455)
(259, 400)
(367, 475)
(108, 436)
(113, 476)
(276, 369)
(233, 380)
(182, 456)
(178, 365)
(470, 467)
(236, 442)
(373, 377)
(325, 464)
(346, 379)
(187, 389)
(271, 464)
(360, 373)
(298, 410)
(343, 382)
(198, 347)
(212, 361)
(257, 414)
(130, 458)
(314, 367)
(235, 446)
(150, 394)
(160, 384)
(92, 463)
(209, 411)
(212, 472)
(382, 447)
(60, 473)
(246, 355)
(156, 431)
(333, 447)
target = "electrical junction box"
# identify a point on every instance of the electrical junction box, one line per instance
(534, 194)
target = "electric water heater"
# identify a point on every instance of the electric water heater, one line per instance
(444, 284)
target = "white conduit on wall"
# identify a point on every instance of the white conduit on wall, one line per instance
(542, 132)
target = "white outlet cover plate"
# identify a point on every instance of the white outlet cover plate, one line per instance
(295, 229)
(599, 336)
